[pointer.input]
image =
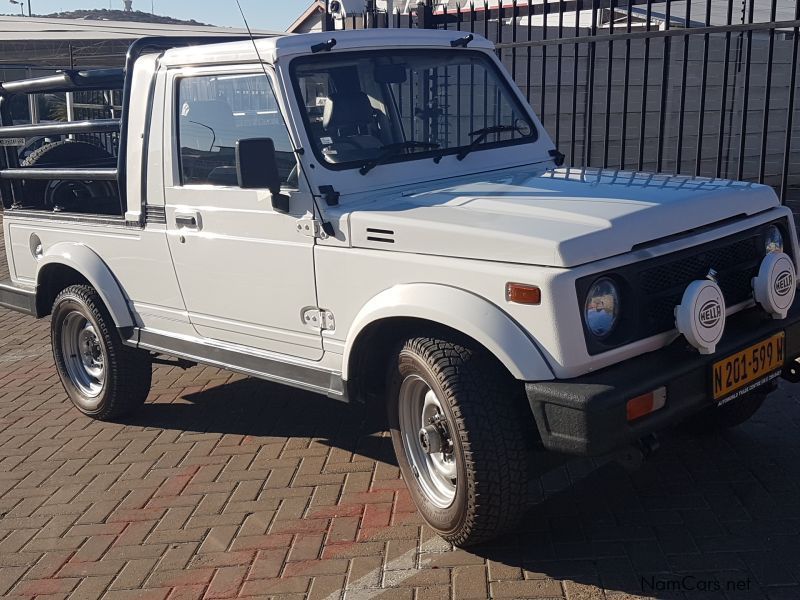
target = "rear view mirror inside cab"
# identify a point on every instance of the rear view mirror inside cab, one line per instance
(390, 73)
(257, 167)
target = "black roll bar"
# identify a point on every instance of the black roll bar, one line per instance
(80, 80)
(91, 174)
(98, 126)
(66, 81)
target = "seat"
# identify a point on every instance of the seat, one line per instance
(350, 121)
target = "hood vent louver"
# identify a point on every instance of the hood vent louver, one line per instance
(385, 236)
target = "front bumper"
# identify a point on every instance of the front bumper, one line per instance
(587, 415)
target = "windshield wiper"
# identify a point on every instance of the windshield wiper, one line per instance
(391, 150)
(482, 135)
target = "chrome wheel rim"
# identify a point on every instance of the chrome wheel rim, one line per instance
(84, 356)
(427, 441)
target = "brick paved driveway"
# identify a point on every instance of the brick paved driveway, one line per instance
(224, 486)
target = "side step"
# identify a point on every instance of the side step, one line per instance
(17, 298)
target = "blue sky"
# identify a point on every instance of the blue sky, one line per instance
(262, 14)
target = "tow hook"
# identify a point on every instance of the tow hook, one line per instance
(650, 445)
(632, 457)
(792, 372)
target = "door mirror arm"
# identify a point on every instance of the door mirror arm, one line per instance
(280, 202)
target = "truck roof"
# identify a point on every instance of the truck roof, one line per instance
(272, 49)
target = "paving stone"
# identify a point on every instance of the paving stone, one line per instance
(530, 588)
(470, 581)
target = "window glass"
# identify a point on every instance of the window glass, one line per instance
(361, 105)
(216, 111)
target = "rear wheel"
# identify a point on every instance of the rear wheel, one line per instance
(104, 378)
(462, 438)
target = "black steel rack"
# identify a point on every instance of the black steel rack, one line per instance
(12, 174)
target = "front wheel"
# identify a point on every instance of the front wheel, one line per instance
(104, 378)
(462, 438)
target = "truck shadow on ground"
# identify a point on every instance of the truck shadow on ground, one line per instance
(252, 407)
(716, 516)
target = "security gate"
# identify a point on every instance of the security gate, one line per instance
(696, 87)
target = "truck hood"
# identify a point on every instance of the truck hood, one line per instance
(559, 218)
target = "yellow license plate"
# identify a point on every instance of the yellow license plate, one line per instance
(754, 365)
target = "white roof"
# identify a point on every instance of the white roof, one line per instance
(35, 28)
(272, 49)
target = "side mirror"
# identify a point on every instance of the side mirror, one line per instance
(257, 168)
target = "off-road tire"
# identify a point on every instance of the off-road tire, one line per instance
(128, 371)
(727, 416)
(493, 430)
(66, 153)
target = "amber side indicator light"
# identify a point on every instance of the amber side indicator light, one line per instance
(521, 293)
(648, 403)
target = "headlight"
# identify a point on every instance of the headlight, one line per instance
(601, 310)
(773, 239)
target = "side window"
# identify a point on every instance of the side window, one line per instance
(214, 112)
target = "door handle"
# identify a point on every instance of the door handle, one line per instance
(188, 220)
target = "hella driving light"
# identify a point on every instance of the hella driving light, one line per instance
(773, 239)
(775, 286)
(601, 310)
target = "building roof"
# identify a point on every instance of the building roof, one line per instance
(310, 19)
(35, 28)
(785, 9)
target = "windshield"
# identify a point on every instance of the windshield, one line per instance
(369, 108)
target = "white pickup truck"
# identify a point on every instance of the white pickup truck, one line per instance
(380, 217)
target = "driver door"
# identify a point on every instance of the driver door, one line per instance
(245, 271)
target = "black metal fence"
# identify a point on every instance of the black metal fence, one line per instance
(92, 105)
(697, 87)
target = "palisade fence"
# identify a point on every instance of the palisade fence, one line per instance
(694, 87)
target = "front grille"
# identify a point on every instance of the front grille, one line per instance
(662, 286)
(651, 289)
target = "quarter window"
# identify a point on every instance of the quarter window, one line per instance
(215, 112)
